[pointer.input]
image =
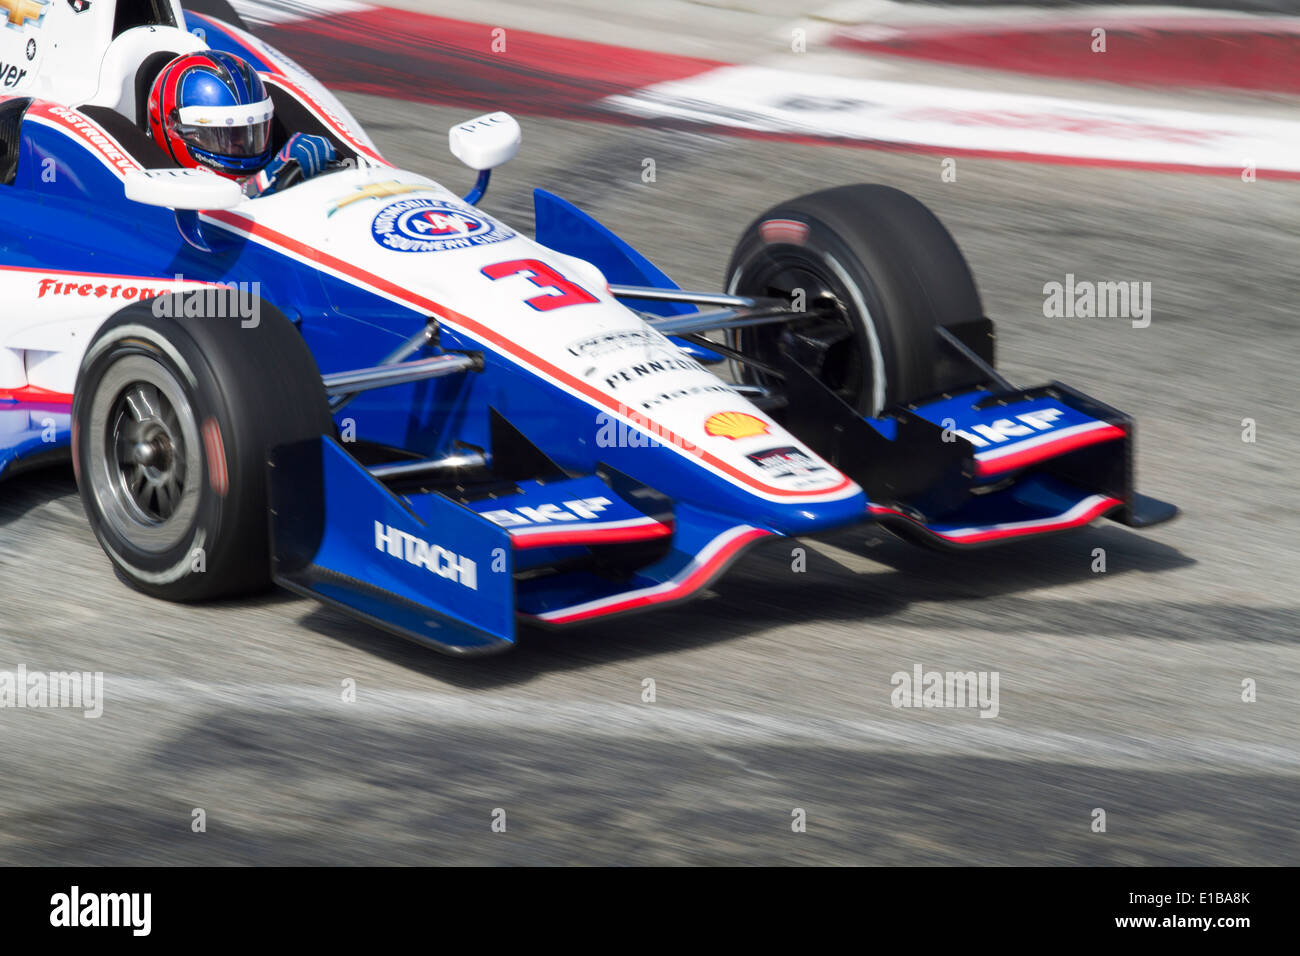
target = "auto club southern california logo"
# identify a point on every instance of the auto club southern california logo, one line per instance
(432, 225)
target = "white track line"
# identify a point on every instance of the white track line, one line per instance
(910, 734)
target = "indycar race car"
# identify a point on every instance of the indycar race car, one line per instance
(368, 390)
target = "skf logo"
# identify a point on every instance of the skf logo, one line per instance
(435, 558)
(580, 509)
(734, 425)
(21, 12)
(1005, 429)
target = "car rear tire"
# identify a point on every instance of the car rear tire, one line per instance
(173, 420)
(877, 272)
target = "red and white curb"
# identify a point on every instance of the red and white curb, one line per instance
(437, 59)
(1023, 126)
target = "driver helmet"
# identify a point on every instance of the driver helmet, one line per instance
(212, 110)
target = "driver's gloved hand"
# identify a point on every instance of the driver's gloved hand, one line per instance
(311, 153)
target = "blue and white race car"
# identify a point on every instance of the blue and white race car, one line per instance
(364, 388)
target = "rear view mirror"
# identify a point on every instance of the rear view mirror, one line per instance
(182, 189)
(486, 142)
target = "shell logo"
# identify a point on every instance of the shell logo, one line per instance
(734, 425)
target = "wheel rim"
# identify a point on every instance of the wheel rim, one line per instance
(827, 329)
(144, 455)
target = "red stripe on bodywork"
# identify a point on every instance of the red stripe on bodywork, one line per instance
(85, 130)
(503, 343)
(242, 37)
(1020, 459)
(577, 536)
(697, 579)
(333, 122)
(31, 395)
(996, 534)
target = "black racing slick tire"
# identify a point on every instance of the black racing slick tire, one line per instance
(173, 421)
(876, 272)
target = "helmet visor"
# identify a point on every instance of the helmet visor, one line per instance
(240, 132)
(237, 142)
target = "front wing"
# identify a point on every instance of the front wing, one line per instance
(457, 570)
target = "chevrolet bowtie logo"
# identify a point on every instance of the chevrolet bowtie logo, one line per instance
(21, 11)
(390, 187)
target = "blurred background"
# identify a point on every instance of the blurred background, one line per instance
(1125, 143)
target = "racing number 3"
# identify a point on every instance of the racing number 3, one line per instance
(544, 277)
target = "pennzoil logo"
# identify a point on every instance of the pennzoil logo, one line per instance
(734, 425)
(433, 225)
(19, 13)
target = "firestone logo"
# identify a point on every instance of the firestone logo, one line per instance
(98, 290)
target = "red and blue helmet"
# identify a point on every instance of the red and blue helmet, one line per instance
(211, 109)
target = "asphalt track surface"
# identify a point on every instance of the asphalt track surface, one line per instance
(1119, 690)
